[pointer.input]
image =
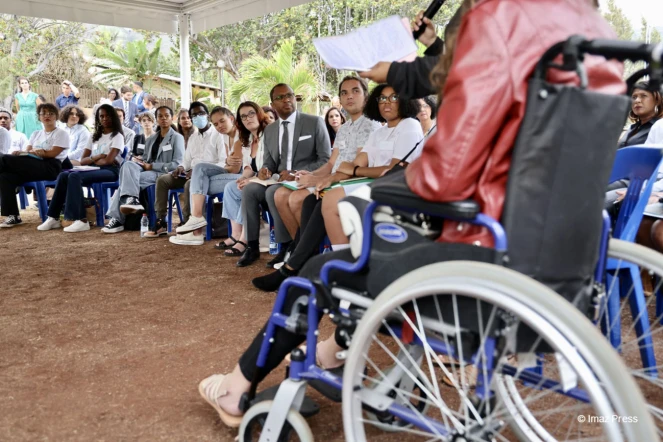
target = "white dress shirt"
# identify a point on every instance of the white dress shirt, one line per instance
(204, 148)
(291, 135)
(19, 141)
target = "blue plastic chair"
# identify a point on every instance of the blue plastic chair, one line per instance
(640, 166)
(151, 198)
(23, 198)
(173, 195)
(39, 188)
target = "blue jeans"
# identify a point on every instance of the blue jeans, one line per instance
(210, 179)
(69, 191)
(232, 203)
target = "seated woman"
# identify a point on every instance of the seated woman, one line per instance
(79, 136)
(104, 150)
(498, 46)
(219, 165)
(334, 119)
(164, 151)
(185, 125)
(147, 122)
(385, 148)
(251, 122)
(46, 151)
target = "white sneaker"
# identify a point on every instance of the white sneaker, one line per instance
(50, 223)
(194, 223)
(188, 239)
(78, 226)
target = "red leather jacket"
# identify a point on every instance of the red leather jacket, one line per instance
(498, 46)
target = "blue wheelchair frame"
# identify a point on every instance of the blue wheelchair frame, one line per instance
(307, 370)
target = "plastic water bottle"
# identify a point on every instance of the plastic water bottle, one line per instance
(144, 225)
(326, 249)
(273, 246)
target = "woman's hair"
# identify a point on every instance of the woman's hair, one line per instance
(47, 106)
(658, 100)
(220, 109)
(150, 99)
(149, 115)
(66, 111)
(244, 133)
(170, 111)
(18, 83)
(117, 94)
(432, 103)
(330, 130)
(115, 119)
(267, 109)
(181, 112)
(406, 108)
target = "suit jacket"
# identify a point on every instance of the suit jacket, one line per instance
(129, 117)
(166, 161)
(138, 101)
(311, 147)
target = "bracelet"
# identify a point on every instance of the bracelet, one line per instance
(354, 171)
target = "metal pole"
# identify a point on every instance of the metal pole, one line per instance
(223, 93)
(185, 62)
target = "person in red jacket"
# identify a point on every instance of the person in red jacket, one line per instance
(497, 47)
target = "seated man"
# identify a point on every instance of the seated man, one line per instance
(470, 155)
(19, 140)
(164, 151)
(203, 147)
(129, 133)
(298, 142)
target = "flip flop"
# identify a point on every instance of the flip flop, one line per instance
(223, 246)
(236, 252)
(229, 420)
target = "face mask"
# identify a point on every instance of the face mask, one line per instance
(200, 121)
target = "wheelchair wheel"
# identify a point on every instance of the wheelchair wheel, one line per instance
(475, 311)
(295, 428)
(632, 317)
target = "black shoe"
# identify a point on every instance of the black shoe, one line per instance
(280, 257)
(272, 282)
(11, 221)
(250, 256)
(132, 205)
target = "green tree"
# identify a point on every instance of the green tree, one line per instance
(619, 21)
(258, 75)
(654, 35)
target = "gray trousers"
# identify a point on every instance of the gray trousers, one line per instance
(253, 196)
(132, 179)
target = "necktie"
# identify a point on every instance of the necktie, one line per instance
(126, 109)
(285, 144)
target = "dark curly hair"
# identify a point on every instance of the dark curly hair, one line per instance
(117, 94)
(115, 119)
(244, 133)
(66, 111)
(47, 106)
(406, 108)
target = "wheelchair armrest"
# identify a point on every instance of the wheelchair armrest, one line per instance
(399, 195)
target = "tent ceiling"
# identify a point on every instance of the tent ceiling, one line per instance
(154, 15)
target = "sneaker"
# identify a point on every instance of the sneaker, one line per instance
(11, 221)
(50, 223)
(131, 205)
(114, 226)
(78, 226)
(188, 239)
(194, 223)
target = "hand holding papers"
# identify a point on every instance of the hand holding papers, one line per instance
(385, 40)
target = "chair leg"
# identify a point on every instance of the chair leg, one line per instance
(209, 202)
(151, 214)
(179, 207)
(23, 198)
(169, 217)
(43, 203)
(640, 317)
(613, 326)
(659, 300)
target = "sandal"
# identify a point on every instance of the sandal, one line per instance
(223, 246)
(209, 389)
(232, 251)
(160, 229)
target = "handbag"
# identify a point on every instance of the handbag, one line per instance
(92, 207)
(219, 223)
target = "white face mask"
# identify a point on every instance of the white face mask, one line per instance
(200, 121)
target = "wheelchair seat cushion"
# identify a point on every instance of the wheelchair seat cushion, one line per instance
(393, 191)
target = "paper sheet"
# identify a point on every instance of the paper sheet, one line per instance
(389, 39)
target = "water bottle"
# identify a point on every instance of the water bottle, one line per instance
(326, 249)
(144, 225)
(273, 246)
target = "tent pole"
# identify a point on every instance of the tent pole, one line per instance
(185, 61)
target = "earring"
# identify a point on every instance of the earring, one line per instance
(656, 109)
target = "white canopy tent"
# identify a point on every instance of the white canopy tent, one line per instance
(189, 16)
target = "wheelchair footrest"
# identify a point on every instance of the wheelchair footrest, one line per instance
(309, 406)
(326, 390)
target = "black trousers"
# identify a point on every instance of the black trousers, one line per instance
(16, 170)
(311, 233)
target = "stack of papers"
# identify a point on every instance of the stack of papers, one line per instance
(265, 183)
(84, 168)
(389, 39)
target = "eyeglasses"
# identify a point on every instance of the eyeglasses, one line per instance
(383, 99)
(47, 114)
(74, 114)
(199, 114)
(289, 96)
(245, 117)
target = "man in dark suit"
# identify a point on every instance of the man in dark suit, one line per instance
(296, 141)
(139, 95)
(130, 108)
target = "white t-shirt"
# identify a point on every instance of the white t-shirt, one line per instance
(5, 140)
(40, 139)
(19, 141)
(387, 143)
(655, 134)
(104, 144)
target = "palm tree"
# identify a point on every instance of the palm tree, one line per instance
(257, 76)
(129, 62)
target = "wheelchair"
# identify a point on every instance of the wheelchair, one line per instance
(465, 342)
